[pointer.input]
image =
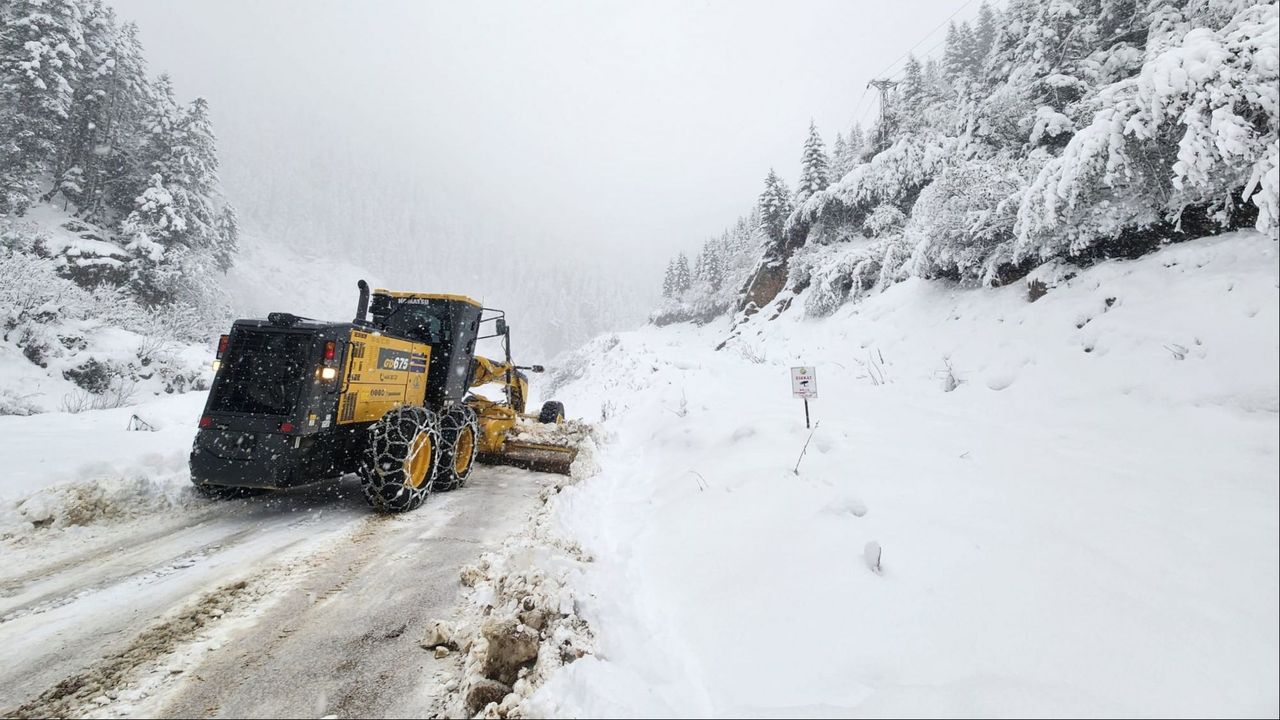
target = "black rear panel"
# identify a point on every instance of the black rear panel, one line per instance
(263, 372)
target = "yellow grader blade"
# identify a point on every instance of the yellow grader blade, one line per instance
(532, 456)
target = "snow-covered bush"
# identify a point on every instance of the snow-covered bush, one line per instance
(831, 275)
(13, 402)
(884, 220)
(32, 293)
(98, 340)
(961, 226)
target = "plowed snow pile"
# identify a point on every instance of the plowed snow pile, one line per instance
(62, 469)
(1072, 502)
(519, 621)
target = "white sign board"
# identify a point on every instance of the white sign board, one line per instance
(804, 382)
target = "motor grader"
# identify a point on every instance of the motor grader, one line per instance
(391, 396)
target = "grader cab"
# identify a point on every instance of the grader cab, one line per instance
(393, 396)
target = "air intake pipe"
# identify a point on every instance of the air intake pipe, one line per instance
(362, 306)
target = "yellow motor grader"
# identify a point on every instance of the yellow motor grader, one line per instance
(389, 396)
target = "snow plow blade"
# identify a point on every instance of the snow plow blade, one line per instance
(538, 457)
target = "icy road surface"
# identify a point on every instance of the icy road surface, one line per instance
(296, 604)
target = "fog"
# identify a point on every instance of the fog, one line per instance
(596, 135)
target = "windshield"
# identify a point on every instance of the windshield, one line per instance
(262, 372)
(421, 323)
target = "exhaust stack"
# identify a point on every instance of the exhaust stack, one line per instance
(362, 305)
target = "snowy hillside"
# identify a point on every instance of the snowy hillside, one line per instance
(1006, 508)
(70, 348)
(1062, 132)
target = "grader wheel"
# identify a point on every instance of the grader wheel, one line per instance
(460, 440)
(552, 412)
(401, 459)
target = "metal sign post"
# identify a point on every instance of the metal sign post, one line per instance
(804, 385)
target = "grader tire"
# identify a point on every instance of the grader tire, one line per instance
(400, 459)
(552, 412)
(460, 440)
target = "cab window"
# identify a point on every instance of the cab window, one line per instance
(420, 323)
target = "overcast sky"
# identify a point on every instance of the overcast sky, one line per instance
(631, 129)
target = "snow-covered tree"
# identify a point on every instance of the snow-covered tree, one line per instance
(1197, 128)
(857, 145)
(814, 165)
(774, 207)
(712, 264)
(682, 277)
(911, 92)
(840, 162)
(985, 30)
(41, 42)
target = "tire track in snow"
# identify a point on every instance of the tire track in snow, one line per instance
(13, 585)
(140, 578)
(127, 574)
(91, 692)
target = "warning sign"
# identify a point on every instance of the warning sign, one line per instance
(804, 382)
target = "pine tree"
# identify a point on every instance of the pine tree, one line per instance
(774, 207)
(40, 48)
(669, 280)
(716, 265)
(227, 231)
(117, 175)
(959, 60)
(682, 276)
(840, 161)
(984, 37)
(857, 145)
(912, 92)
(84, 121)
(814, 166)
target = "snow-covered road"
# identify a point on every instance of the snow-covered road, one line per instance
(297, 604)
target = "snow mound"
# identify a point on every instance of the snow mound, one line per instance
(569, 433)
(66, 470)
(521, 622)
(90, 501)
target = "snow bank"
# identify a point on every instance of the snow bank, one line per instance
(1073, 502)
(65, 469)
(520, 622)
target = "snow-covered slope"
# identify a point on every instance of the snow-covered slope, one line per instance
(1073, 503)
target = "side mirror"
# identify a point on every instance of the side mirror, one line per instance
(501, 325)
(538, 368)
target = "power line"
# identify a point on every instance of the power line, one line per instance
(901, 71)
(902, 57)
(858, 104)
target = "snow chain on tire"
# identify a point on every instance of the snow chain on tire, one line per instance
(400, 459)
(460, 431)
